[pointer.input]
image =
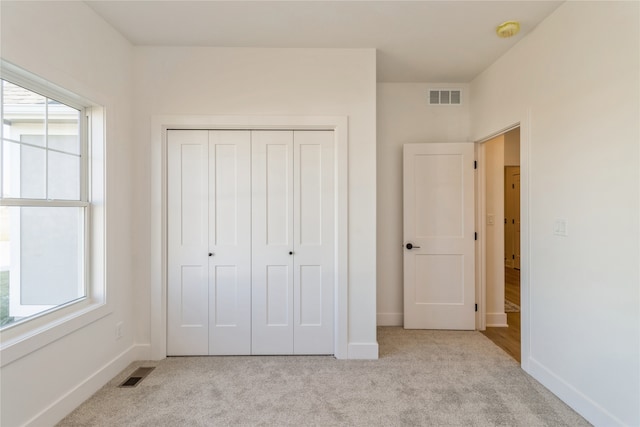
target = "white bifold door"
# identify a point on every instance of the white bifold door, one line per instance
(209, 242)
(250, 242)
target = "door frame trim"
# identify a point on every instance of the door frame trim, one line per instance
(158, 220)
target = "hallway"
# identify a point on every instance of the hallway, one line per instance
(508, 339)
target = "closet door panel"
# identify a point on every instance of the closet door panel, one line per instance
(187, 216)
(272, 243)
(278, 195)
(313, 242)
(229, 240)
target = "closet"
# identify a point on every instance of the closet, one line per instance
(251, 236)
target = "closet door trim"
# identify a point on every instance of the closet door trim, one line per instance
(158, 219)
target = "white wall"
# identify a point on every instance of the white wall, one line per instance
(67, 44)
(251, 81)
(494, 150)
(574, 84)
(404, 116)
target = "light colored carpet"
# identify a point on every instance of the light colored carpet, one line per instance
(423, 378)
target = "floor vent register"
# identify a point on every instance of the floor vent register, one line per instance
(136, 377)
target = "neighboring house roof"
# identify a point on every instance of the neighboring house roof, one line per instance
(16, 95)
(23, 105)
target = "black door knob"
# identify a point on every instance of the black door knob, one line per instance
(410, 246)
(210, 253)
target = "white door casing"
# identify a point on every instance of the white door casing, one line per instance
(439, 271)
(158, 222)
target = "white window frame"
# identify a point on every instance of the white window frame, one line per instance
(23, 337)
(15, 304)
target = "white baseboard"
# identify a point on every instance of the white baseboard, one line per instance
(363, 351)
(390, 319)
(73, 398)
(497, 320)
(587, 408)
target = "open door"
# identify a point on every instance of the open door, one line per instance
(439, 234)
(512, 216)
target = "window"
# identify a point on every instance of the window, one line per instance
(44, 204)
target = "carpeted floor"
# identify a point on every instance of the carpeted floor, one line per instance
(423, 378)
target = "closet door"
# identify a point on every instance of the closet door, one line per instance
(187, 216)
(313, 231)
(209, 242)
(229, 242)
(293, 242)
(272, 242)
(251, 238)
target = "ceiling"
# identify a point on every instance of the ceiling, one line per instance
(416, 41)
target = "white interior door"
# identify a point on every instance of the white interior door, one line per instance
(516, 243)
(187, 217)
(229, 242)
(439, 289)
(272, 242)
(313, 231)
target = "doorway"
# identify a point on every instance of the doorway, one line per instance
(502, 241)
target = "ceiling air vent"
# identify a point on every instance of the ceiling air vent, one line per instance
(445, 97)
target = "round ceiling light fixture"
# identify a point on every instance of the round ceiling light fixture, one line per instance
(508, 29)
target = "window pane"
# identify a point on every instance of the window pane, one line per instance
(64, 176)
(37, 133)
(41, 262)
(23, 112)
(64, 128)
(29, 178)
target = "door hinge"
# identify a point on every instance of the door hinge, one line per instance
(475, 236)
(475, 164)
(476, 307)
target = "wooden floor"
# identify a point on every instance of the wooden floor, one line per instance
(509, 338)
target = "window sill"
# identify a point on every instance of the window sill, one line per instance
(26, 338)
